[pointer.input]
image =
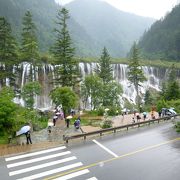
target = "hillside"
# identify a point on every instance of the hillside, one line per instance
(44, 15)
(162, 41)
(93, 25)
(108, 26)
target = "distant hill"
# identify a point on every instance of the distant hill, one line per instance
(162, 40)
(93, 25)
(44, 15)
(108, 26)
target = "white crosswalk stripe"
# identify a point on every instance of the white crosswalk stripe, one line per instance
(93, 178)
(35, 153)
(53, 171)
(37, 159)
(72, 175)
(41, 166)
(46, 163)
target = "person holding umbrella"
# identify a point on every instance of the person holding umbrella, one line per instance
(28, 137)
(25, 130)
(68, 120)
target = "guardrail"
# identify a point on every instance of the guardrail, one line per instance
(114, 129)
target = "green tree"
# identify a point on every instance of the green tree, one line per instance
(8, 52)
(111, 93)
(148, 98)
(67, 69)
(64, 96)
(104, 69)
(111, 90)
(7, 111)
(29, 45)
(92, 88)
(135, 73)
(29, 91)
(171, 89)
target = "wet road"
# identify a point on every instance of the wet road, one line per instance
(147, 153)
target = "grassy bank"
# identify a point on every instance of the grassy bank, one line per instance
(144, 62)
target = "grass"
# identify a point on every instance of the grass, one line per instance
(143, 62)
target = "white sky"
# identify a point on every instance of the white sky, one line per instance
(148, 8)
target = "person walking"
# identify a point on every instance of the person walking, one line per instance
(67, 122)
(28, 137)
(144, 115)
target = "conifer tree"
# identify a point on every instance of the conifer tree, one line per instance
(104, 69)
(29, 45)
(172, 88)
(110, 91)
(67, 69)
(135, 74)
(8, 52)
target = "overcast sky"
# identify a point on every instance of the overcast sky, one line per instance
(148, 8)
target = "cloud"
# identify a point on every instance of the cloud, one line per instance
(148, 8)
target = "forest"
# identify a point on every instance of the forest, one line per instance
(162, 40)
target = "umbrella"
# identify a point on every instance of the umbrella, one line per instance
(55, 117)
(58, 113)
(23, 130)
(69, 117)
(144, 113)
(50, 124)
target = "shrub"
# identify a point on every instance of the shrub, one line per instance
(177, 126)
(113, 111)
(100, 111)
(107, 124)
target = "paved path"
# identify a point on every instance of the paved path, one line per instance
(43, 139)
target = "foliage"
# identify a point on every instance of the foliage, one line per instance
(104, 69)
(107, 124)
(8, 52)
(162, 40)
(114, 111)
(171, 88)
(67, 69)
(175, 104)
(29, 91)
(135, 73)
(29, 45)
(111, 93)
(100, 111)
(7, 111)
(161, 104)
(177, 126)
(64, 96)
(92, 87)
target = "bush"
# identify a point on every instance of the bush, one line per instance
(175, 104)
(107, 124)
(100, 111)
(177, 126)
(113, 111)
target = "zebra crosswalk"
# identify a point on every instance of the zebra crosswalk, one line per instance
(47, 164)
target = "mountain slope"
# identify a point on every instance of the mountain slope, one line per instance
(108, 26)
(162, 41)
(44, 15)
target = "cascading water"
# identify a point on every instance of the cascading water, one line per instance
(45, 75)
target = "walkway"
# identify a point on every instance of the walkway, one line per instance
(44, 139)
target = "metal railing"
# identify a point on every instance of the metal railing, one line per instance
(114, 129)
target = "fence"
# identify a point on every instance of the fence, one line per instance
(114, 129)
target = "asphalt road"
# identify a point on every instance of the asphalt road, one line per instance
(146, 153)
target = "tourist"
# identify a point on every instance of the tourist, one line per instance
(28, 137)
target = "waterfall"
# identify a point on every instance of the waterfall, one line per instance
(45, 75)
